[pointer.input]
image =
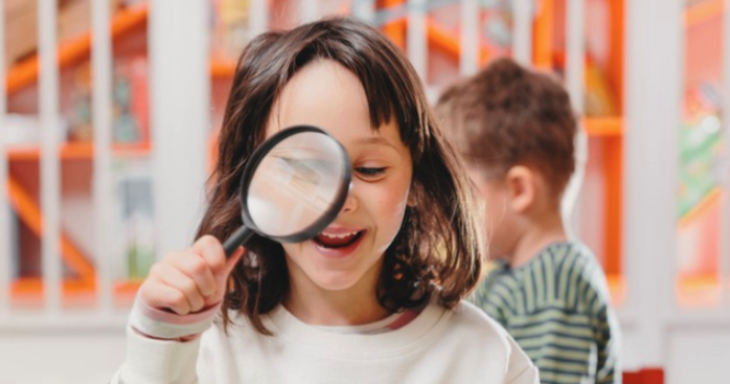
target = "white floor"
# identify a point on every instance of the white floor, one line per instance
(80, 358)
(693, 356)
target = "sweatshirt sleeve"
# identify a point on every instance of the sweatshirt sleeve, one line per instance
(153, 361)
(520, 369)
(162, 348)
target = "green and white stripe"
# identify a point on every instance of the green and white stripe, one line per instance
(557, 309)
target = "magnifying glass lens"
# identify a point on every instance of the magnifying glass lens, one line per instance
(296, 183)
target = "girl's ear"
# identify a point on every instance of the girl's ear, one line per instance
(411, 200)
(413, 194)
(520, 188)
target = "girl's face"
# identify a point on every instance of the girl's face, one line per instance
(348, 254)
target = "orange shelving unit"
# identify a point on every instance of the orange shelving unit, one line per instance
(542, 35)
(438, 37)
(396, 29)
(610, 129)
(74, 50)
(24, 74)
(441, 39)
(604, 130)
(29, 212)
(221, 68)
(604, 126)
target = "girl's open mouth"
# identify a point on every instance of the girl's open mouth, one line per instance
(340, 240)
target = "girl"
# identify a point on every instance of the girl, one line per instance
(373, 298)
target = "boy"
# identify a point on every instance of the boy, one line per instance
(515, 131)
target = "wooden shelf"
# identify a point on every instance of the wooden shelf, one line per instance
(604, 126)
(78, 151)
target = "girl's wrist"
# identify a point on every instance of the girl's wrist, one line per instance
(182, 339)
(158, 324)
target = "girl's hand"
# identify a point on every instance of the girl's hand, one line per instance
(192, 280)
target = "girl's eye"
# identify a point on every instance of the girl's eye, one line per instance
(370, 172)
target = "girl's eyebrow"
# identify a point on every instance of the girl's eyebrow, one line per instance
(376, 140)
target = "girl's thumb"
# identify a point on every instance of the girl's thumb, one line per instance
(233, 260)
(222, 277)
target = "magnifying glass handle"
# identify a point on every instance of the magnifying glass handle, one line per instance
(237, 239)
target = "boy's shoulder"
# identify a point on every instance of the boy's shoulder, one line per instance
(573, 265)
(563, 272)
(565, 258)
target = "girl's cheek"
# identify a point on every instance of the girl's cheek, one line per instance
(392, 204)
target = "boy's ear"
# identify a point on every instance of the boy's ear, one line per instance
(521, 188)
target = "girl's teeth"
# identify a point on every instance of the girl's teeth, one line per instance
(340, 236)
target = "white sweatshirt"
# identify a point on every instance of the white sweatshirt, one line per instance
(438, 346)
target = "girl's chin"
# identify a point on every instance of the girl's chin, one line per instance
(335, 282)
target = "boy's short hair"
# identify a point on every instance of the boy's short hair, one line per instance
(507, 115)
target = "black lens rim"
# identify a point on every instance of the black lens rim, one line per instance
(329, 215)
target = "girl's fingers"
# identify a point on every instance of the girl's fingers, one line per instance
(193, 280)
(174, 278)
(166, 297)
(196, 268)
(211, 250)
(222, 278)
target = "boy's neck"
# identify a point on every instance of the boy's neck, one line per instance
(538, 234)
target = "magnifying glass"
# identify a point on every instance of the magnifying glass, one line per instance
(293, 187)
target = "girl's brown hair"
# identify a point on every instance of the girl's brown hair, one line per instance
(436, 253)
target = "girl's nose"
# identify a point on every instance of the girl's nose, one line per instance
(351, 203)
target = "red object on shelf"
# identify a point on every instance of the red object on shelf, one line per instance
(644, 376)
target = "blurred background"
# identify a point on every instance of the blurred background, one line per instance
(109, 116)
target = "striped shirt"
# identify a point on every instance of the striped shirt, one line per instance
(557, 309)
